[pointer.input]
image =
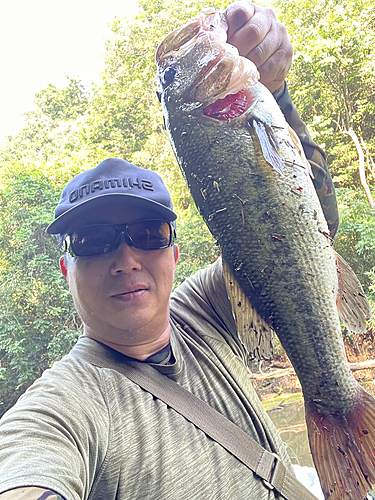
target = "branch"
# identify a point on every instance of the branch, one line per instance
(361, 157)
(276, 374)
(363, 365)
(368, 157)
(9, 279)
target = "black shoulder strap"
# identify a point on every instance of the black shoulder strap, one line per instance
(263, 463)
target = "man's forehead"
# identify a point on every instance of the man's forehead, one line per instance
(113, 214)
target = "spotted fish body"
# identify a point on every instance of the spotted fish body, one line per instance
(252, 184)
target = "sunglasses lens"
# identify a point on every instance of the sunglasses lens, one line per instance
(99, 239)
(150, 234)
(93, 240)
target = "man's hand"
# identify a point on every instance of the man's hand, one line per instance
(258, 36)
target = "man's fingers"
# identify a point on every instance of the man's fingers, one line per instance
(275, 42)
(237, 15)
(274, 71)
(264, 33)
(258, 36)
(251, 34)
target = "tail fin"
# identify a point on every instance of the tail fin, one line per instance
(344, 449)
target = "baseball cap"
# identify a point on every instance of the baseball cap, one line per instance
(113, 181)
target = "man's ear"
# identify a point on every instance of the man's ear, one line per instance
(63, 267)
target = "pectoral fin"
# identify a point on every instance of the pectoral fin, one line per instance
(253, 331)
(269, 146)
(352, 304)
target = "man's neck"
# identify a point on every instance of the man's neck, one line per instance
(137, 351)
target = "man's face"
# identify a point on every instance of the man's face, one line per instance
(122, 297)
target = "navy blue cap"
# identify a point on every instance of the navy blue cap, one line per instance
(113, 181)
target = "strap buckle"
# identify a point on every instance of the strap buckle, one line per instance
(266, 483)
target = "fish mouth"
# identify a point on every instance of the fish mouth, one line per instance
(181, 39)
(231, 106)
(200, 47)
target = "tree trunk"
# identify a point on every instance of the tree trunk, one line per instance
(361, 158)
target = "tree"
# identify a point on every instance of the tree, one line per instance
(38, 323)
(65, 104)
(332, 80)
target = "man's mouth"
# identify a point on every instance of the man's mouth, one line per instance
(131, 294)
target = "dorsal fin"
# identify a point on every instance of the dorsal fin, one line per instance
(253, 331)
(352, 304)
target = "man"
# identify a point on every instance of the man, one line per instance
(87, 432)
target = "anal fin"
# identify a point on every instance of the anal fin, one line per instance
(254, 332)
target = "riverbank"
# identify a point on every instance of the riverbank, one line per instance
(275, 378)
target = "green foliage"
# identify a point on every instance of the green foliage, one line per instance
(65, 104)
(71, 131)
(332, 80)
(196, 245)
(355, 240)
(37, 321)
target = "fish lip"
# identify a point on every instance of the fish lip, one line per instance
(168, 51)
(246, 75)
(195, 26)
(205, 30)
(166, 47)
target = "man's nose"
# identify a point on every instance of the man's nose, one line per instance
(126, 256)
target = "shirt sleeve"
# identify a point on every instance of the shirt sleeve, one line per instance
(52, 438)
(315, 155)
(201, 302)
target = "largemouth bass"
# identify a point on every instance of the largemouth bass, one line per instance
(252, 184)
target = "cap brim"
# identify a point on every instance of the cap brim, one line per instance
(70, 218)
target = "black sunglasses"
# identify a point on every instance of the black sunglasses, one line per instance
(99, 239)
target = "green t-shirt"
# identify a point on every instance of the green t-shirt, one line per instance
(90, 433)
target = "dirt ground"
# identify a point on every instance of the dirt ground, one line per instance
(360, 347)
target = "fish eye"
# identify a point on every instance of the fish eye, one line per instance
(168, 76)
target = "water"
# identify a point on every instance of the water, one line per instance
(288, 415)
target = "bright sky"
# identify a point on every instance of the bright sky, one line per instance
(42, 41)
